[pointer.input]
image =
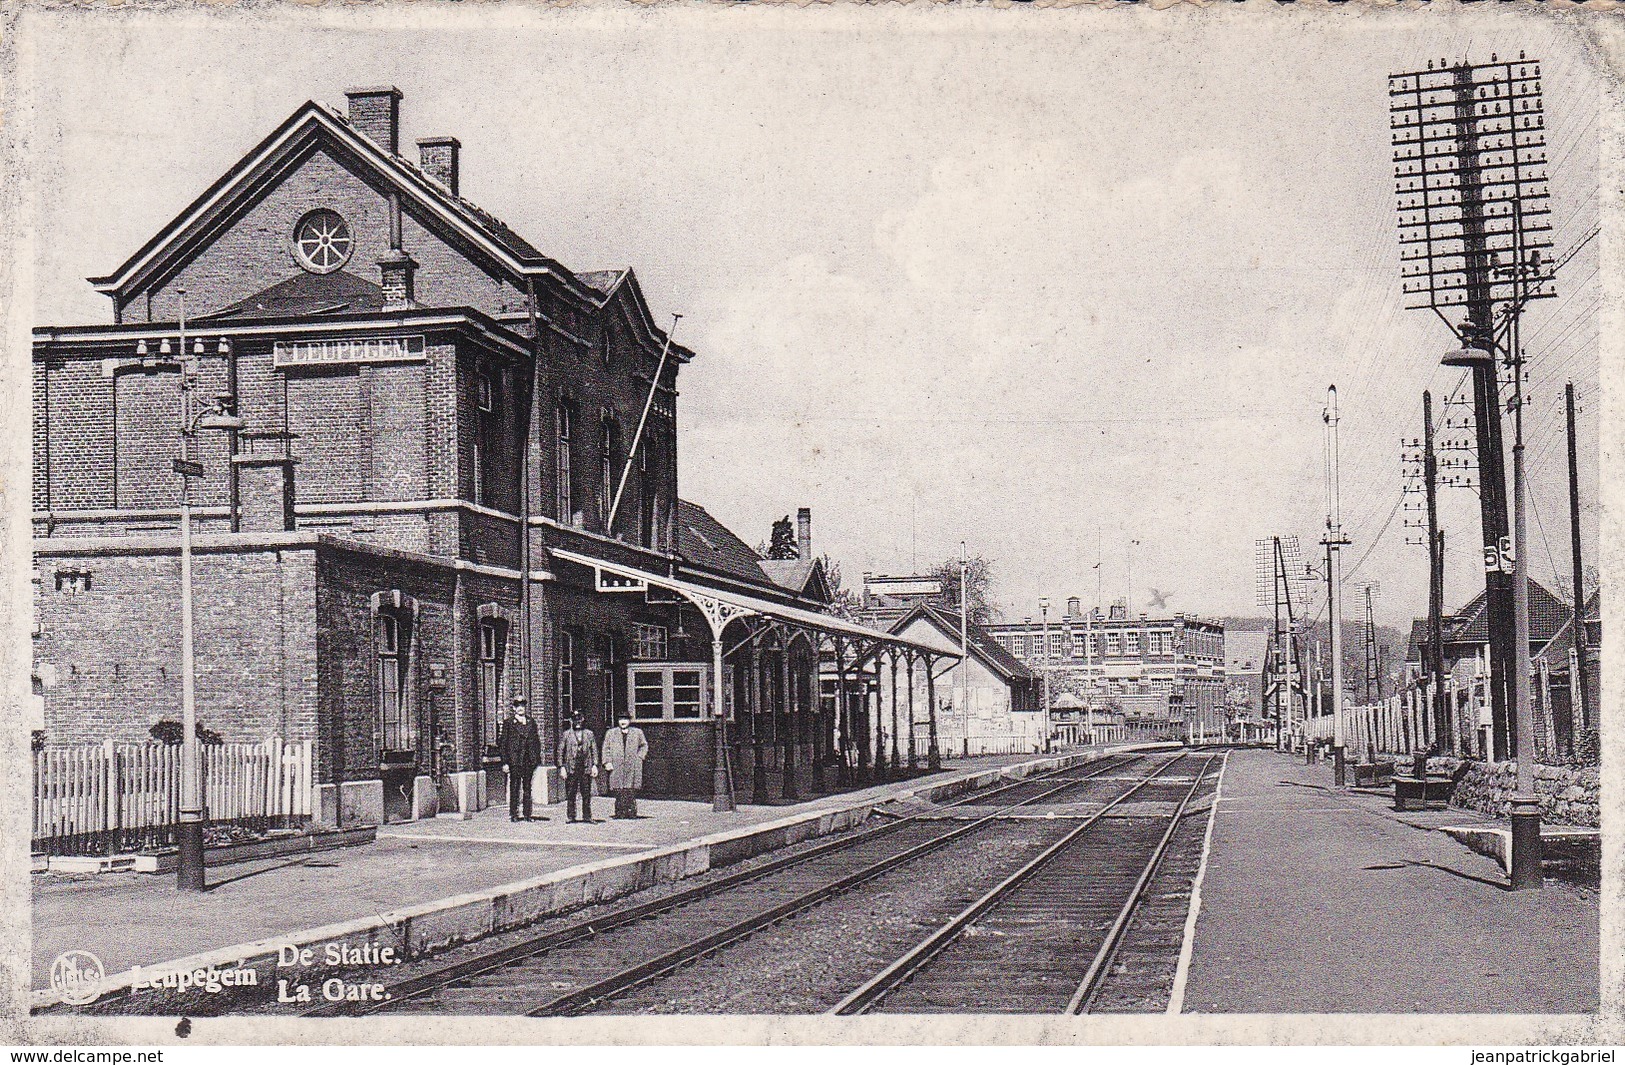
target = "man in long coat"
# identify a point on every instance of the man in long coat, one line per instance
(520, 745)
(625, 747)
(578, 761)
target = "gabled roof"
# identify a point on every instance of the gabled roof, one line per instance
(803, 576)
(283, 149)
(1546, 615)
(982, 645)
(603, 282)
(314, 124)
(1245, 646)
(1556, 650)
(704, 541)
(1418, 640)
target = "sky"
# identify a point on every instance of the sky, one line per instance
(1048, 282)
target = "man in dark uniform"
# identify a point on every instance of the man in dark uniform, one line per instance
(578, 760)
(520, 744)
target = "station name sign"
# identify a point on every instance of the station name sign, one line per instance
(337, 350)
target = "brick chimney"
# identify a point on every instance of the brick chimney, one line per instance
(395, 271)
(1074, 607)
(265, 482)
(376, 114)
(804, 534)
(438, 157)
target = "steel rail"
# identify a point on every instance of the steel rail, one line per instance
(427, 983)
(1089, 986)
(585, 998)
(873, 990)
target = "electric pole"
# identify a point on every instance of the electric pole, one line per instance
(1578, 683)
(1373, 667)
(1435, 663)
(1335, 541)
(1470, 159)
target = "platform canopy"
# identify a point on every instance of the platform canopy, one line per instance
(722, 606)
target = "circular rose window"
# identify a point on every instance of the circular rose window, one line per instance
(322, 242)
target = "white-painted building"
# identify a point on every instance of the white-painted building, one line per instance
(988, 705)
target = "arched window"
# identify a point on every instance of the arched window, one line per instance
(492, 635)
(393, 644)
(609, 446)
(564, 474)
(394, 619)
(567, 675)
(647, 480)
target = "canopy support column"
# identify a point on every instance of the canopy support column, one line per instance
(843, 718)
(933, 755)
(787, 774)
(896, 764)
(722, 789)
(758, 766)
(913, 752)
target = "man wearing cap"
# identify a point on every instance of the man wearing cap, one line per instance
(578, 761)
(520, 745)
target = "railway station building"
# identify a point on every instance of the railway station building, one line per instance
(429, 469)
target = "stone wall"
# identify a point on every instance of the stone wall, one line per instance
(1569, 795)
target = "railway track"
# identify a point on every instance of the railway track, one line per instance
(576, 968)
(1047, 938)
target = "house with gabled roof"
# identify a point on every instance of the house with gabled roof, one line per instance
(989, 703)
(427, 469)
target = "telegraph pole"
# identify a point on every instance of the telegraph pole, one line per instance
(1435, 663)
(1470, 169)
(1578, 683)
(1335, 541)
(1276, 666)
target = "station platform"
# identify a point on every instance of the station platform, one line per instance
(435, 871)
(1320, 901)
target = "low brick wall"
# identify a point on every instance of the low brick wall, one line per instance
(1569, 795)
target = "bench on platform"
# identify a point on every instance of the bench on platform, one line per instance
(1373, 774)
(1416, 793)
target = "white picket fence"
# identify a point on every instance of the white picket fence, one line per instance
(105, 797)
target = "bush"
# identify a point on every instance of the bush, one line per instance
(167, 730)
(39, 739)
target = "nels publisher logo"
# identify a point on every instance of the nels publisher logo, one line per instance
(77, 976)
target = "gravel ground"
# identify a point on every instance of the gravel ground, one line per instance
(808, 963)
(1141, 977)
(261, 1001)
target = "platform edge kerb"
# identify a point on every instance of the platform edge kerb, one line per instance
(493, 910)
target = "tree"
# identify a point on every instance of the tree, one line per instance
(783, 546)
(979, 587)
(842, 601)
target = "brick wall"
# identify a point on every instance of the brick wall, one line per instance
(398, 461)
(583, 378)
(81, 456)
(346, 581)
(116, 646)
(326, 414)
